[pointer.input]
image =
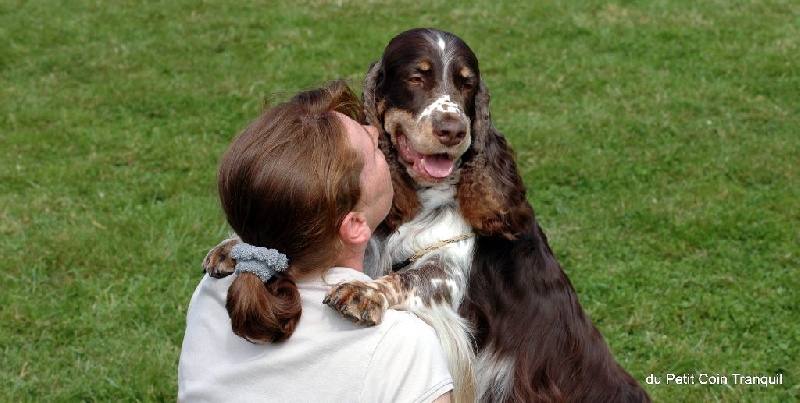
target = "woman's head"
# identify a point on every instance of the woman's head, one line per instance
(288, 182)
(291, 176)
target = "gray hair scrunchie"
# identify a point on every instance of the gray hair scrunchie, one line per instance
(263, 262)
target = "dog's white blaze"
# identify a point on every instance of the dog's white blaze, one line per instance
(446, 55)
(441, 104)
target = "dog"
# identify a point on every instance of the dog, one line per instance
(461, 246)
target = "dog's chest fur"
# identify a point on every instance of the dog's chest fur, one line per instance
(439, 219)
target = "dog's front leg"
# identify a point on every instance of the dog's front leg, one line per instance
(423, 285)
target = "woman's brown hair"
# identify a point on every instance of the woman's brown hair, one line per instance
(286, 182)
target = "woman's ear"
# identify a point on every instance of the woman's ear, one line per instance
(354, 228)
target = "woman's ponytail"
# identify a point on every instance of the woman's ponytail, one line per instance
(263, 312)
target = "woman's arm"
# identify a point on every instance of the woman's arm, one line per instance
(445, 398)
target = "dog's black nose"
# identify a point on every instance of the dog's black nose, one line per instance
(449, 132)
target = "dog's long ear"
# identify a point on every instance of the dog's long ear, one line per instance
(491, 192)
(405, 204)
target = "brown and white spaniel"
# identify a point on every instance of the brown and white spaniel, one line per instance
(461, 246)
(454, 175)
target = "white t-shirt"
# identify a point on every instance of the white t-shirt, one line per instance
(327, 358)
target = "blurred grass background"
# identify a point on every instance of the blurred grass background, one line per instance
(659, 142)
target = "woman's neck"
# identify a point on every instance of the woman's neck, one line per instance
(352, 256)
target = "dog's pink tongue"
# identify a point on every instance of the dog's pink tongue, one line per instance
(437, 166)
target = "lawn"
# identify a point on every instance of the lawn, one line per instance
(660, 143)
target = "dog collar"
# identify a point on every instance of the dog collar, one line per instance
(402, 265)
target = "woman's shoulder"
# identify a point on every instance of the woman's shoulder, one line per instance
(406, 322)
(408, 363)
(408, 332)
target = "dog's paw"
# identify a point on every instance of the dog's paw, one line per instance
(358, 302)
(218, 262)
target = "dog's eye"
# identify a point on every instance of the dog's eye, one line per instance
(468, 84)
(416, 79)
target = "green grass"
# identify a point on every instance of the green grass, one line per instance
(659, 142)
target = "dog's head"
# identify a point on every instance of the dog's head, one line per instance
(427, 94)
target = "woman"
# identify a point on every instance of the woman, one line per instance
(304, 186)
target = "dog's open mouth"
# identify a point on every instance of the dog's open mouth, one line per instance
(434, 166)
